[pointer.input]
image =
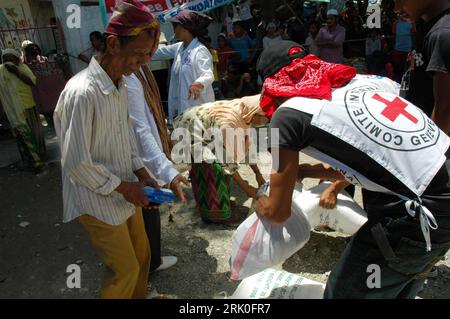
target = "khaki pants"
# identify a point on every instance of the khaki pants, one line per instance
(125, 252)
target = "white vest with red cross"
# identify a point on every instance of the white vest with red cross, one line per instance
(369, 115)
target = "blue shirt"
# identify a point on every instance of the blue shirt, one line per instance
(242, 45)
(403, 39)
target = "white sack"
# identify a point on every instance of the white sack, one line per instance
(273, 284)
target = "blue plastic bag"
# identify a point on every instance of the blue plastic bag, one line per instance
(159, 196)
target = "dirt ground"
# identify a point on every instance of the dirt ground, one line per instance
(33, 259)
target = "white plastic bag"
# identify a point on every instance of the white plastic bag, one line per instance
(347, 217)
(259, 244)
(273, 284)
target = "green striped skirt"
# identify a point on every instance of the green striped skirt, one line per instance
(212, 191)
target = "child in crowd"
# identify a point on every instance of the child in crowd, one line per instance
(310, 43)
(225, 54)
(273, 36)
(373, 45)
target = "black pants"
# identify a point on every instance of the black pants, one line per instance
(162, 79)
(351, 190)
(392, 241)
(152, 221)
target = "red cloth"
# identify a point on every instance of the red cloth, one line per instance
(309, 77)
(50, 82)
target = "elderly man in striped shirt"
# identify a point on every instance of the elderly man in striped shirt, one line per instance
(103, 176)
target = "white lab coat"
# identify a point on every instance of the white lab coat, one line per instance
(193, 64)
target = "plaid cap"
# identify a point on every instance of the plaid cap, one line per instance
(130, 18)
(275, 58)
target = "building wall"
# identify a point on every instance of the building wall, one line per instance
(42, 13)
(17, 12)
(91, 21)
(77, 40)
(20, 14)
(14, 14)
(72, 37)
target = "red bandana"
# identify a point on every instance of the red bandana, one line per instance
(309, 77)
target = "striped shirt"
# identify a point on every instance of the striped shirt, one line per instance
(98, 146)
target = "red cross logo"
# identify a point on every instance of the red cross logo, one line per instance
(394, 109)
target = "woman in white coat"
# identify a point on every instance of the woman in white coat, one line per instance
(192, 71)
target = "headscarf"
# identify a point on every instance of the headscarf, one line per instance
(193, 21)
(25, 44)
(131, 18)
(236, 113)
(305, 76)
(223, 35)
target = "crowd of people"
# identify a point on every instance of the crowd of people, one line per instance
(30, 88)
(294, 76)
(339, 37)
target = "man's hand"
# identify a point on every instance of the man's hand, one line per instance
(150, 182)
(11, 68)
(262, 207)
(133, 192)
(300, 174)
(260, 180)
(195, 90)
(328, 199)
(176, 187)
(252, 192)
(145, 178)
(22, 77)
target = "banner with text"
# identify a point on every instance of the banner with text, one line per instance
(165, 9)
